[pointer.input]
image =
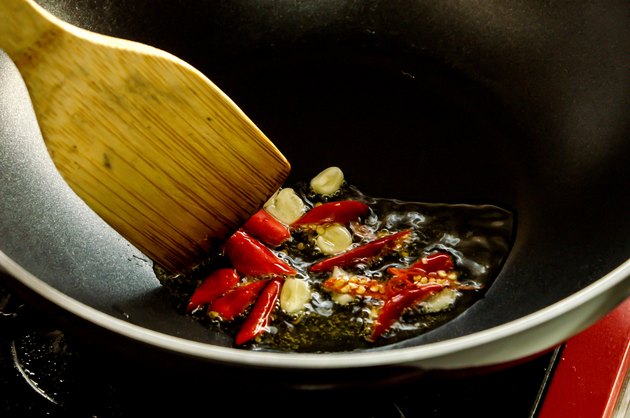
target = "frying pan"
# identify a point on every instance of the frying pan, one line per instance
(523, 105)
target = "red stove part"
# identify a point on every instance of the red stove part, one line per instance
(591, 378)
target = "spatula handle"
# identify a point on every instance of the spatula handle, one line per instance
(24, 28)
(148, 142)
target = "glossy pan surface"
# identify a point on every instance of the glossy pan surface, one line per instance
(522, 105)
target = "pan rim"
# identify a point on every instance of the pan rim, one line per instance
(305, 361)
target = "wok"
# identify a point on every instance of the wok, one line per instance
(523, 105)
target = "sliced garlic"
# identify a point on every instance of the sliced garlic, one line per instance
(342, 298)
(441, 301)
(339, 272)
(328, 181)
(286, 206)
(295, 295)
(334, 239)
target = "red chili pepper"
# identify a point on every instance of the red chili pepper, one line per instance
(364, 253)
(213, 286)
(434, 262)
(266, 228)
(237, 300)
(394, 306)
(339, 212)
(258, 318)
(250, 257)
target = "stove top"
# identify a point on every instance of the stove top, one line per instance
(45, 372)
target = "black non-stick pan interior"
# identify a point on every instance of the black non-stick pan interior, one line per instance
(522, 105)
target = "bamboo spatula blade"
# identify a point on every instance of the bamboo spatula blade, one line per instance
(146, 140)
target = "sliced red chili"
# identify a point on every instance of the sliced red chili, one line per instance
(213, 286)
(266, 228)
(397, 271)
(252, 258)
(333, 212)
(394, 306)
(258, 319)
(434, 262)
(364, 253)
(237, 300)
(397, 284)
(426, 266)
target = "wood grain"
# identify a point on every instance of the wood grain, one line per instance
(150, 144)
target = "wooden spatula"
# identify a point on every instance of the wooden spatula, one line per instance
(150, 144)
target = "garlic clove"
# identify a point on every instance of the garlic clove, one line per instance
(334, 239)
(328, 181)
(286, 206)
(295, 294)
